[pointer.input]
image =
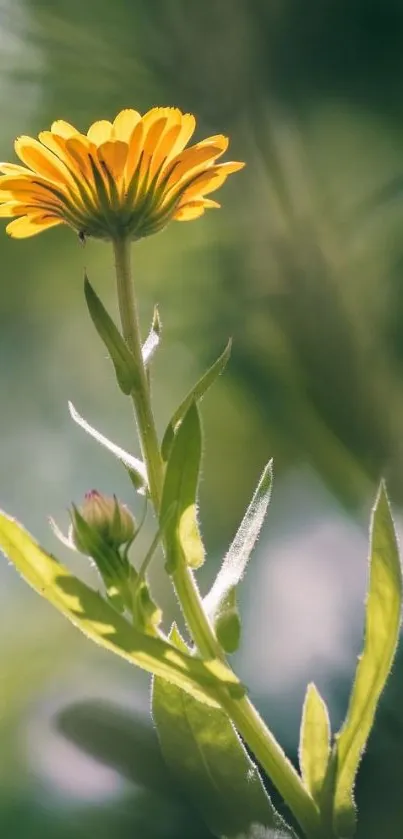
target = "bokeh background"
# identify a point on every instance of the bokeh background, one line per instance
(303, 266)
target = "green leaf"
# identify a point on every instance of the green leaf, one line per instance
(314, 744)
(194, 395)
(90, 613)
(382, 624)
(215, 772)
(122, 359)
(220, 601)
(227, 623)
(135, 467)
(153, 338)
(183, 542)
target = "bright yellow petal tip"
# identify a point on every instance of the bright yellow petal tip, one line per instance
(126, 178)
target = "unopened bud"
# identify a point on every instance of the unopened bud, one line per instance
(101, 519)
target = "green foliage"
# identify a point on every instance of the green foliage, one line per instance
(133, 465)
(195, 395)
(121, 357)
(153, 338)
(87, 610)
(314, 745)
(182, 537)
(227, 622)
(220, 602)
(382, 624)
(212, 766)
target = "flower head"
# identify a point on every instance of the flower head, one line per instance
(102, 520)
(126, 178)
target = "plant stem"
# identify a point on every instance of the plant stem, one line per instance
(241, 711)
(141, 396)
(275, 763)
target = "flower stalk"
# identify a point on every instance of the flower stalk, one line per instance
(241, 711)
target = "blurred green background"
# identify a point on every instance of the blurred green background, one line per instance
(303, 266)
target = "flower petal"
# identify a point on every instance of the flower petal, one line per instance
(191, 160)
(114, 155)
(14, 169)
(100, 132)
(40, 159)
(9, 209)
(210, 180)
(22, 228)
(125, 123)
(189, 211)
(135, 149)
(187, 129)
(63, 129)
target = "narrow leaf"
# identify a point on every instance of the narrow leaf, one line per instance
(382, 624)
(121, 357)
(183, 540)
(90, 613)
(194, 395)
(206, 756)
(153, 338)
(314, 744)
(236, 560)
(134, 466)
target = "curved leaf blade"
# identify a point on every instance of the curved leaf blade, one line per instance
(234, 564)
(135, 467)
(96, 618)
(153, 338)
(182, 537)
(194, 395)
(211, 765)
(121, 357)
(314, 746)
(382, 624)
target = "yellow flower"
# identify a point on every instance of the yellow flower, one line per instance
(126, 178)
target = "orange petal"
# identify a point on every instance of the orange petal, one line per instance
(9, 210)
(63, 129)
(211, 179)
(125, 123)
(79, 150)
(21, 182)
(153, 135)
(14, 169)
(187, 128)
(189, 211)
(40, 159)
(114, 155)
(153, 115)
(190, 160)
(22, 228)
(100, 132)
(135, 149)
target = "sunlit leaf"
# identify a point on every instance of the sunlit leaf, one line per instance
(227, 623)
(314, 744)
(134, 466)
(382, 624)
(182, 535)
(121, 357)
(213, 769)
(194, 395)
(153, 338)
(220, 602)
(90, 613)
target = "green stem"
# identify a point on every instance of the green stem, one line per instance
(275, 763)
(241, 711)
(141, 396)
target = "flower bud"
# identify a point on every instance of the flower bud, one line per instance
(101, 520)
